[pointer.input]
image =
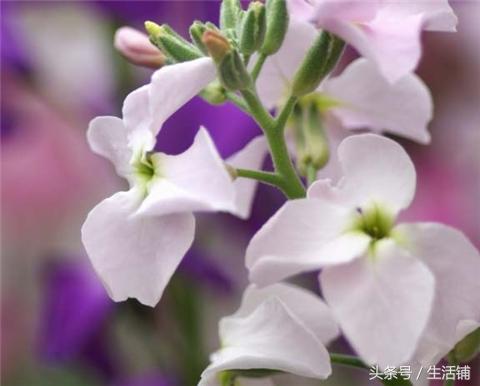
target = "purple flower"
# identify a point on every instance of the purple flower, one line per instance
(152, 379)
(75, 311)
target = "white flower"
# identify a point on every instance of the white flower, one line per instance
(281, 327)
(359, 98)
(391, 288)
(136, 239)
(387, 32)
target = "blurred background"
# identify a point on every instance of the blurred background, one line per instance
(58, 71)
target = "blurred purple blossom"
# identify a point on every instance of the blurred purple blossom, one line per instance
(13, 53)
(152, 379)
(75, 311)
(204, 271)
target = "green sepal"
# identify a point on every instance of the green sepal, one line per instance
(319, 61)
(228, 377)
(232, 72)
(310, 73)
(467, 349)
(252, 31)
(229, 14)
(171, 44)
(310, 139)
(196, 32)
(214, 93)
(277, 24)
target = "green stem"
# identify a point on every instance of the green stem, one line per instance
(449, 382)
(311, 174)
(352, 361)
(266, 177)
(285, 113)
(237, 101)
(348, 360)
(258, 66)
(288, 182)
(263, 118)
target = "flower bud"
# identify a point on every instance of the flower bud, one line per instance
(217, 45)
(137, 49)
(197, 29)
(467, 349)
(252, 31)
(276, 28)
(310, 73)
(310, 139)
(319, 61)
(232, 72)
(230, 11)
(214, 93)
(173, 45)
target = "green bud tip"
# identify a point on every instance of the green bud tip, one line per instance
(153, 28)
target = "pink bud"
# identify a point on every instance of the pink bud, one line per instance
(137, 49)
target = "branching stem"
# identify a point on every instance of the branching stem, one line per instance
(258, 66)
(287, 178)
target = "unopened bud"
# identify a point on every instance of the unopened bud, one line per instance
(173, 45)
(197, 30)
(252, 31)
(230, 11)
(216, 44)
(310, 139)
(277, 25)
(319, 61)
(310, 73)
(232, 72)
(214, 93)
(137, 49)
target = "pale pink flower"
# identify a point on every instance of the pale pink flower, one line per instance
(392, 288)
(387, 32)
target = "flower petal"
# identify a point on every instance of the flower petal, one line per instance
(455, 264)
(386, 33)
(307, 307)
(437, 15)
(376, 170)
(381, 302)
(393, 44)
(107, 136)
(174, 85)
(303, 235)
(250, 157)
(279, 69)
(268, 338)
(135, 256)
(195, 180)
(367, 100)
(138, 120)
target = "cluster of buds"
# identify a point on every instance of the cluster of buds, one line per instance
(242, 33)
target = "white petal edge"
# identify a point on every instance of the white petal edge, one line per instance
(108, 137)
(381, 302)
(455, 264)
(174, 85)
(195, 180)
(304, 235)
(307, 307)
(367, 100)
(268, 338)
(135, 256)
(377, 170)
